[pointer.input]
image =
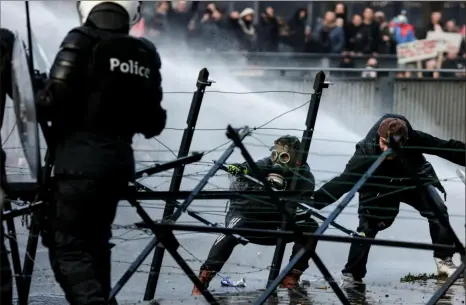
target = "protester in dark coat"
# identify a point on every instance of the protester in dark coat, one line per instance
(391, 183)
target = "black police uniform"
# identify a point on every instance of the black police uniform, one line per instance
(380, 197)
(7, 39)
(104, 87)
(257, 214)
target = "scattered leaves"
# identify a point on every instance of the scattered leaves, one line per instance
(410, 278)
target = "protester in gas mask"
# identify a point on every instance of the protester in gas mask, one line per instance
(249, 213)
(104, 87)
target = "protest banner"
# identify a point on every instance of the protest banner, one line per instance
(416, 51)
(446, 42)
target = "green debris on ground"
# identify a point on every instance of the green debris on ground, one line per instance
(411, 278)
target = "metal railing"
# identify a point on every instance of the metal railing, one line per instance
(288, 59)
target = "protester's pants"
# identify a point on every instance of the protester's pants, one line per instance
(80, 253)
(378, 214)
(224, 244)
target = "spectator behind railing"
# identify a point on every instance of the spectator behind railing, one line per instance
(434, 25)
(179, 18)
(370, 72)
(451, 27)
(357, 39)
(293, 32)
(453, 61)
(267, 31)
(213, 31)
(329, 35)
(386, 43)
(247, 35)
(214, 28)
(371, 26)
(341, 13)
(156, 24)
(402, 31)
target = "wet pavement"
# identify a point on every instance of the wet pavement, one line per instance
(332, 146)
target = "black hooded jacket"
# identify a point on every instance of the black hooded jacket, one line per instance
(391, 176)
(7, 39)
(297, 35)
(263, 208)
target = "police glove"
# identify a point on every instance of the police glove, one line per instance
(236, 170)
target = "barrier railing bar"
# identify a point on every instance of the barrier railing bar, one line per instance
(319, 237)
(448, 283)
(334, 69)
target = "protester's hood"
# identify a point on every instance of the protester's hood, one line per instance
(373, 135)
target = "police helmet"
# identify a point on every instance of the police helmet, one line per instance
(131, 7)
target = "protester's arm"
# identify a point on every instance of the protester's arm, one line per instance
(306, 182)
(338, 186)
(451, 150)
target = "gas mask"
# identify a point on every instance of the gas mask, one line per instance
(283, 156)
(277, 181)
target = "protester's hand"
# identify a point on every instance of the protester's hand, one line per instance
(312, 203)
(236, 170)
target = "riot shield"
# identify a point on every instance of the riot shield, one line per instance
(25, 107)
(41, 61)
(461, 174)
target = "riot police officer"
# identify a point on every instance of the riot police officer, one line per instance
(7, 39)
(104, 87)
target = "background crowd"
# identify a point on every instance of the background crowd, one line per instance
(348, 29)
